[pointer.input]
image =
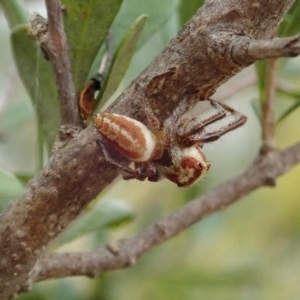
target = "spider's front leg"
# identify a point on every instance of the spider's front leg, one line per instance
(190, 137)
(194, 125)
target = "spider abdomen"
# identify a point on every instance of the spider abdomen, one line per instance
(130, 137)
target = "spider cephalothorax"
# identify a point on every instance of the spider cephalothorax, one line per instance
(172, 151)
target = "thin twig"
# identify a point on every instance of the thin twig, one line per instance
(249, 51)
(126, 252)
(57, 50)
(268, 128)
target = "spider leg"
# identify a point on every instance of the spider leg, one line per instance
(152, 119)
(180, 110)
(216, 134)
(126, 172)
(171, 122)
(221, 113)
(224, 107)
(147, 170)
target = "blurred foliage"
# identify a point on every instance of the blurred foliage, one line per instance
(42, 90)
(122, 59)
(14, 11)
(249, 251)
(87, 24)
(10, 187)
(103, 215)
(290, 26)
(187, 9)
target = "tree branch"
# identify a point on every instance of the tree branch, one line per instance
(249, 51)
(197, 61)
(52, 39)
(126, 252)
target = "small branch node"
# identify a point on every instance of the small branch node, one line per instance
(161, 230)
(64, 9)
(113, 248)
(130, 261)
(26, 287)
(270, 182)
(92, 274)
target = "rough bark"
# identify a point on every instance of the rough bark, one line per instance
(224, 37)
(126, 252)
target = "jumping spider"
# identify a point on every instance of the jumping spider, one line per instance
(172, 151)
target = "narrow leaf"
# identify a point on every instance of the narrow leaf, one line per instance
(46, 102)
(129, 12)
(261, 70)
(291, 25)
(158, 11)
(25, 52)
(14, 12)
(10, 187)
(187, 11)
(291, 94)
(122, 58)
(38, 79)
(256, 106)
(289, 111)
(102, 215)
(24, 178)
(87, 23)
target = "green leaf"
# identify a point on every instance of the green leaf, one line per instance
(291, 25)
(24, 178)
(46, 103)
(87, 23)
(289, 111)
(10, 188)
(256, 106)
(122, 58)
(292, 95)
(104, 214)
(158, 11)
(186, 11)
(25, 52)
(37, 76)
(14, 12)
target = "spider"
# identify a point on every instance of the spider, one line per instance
(172, 151)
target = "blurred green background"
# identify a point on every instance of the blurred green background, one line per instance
(249, 251)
